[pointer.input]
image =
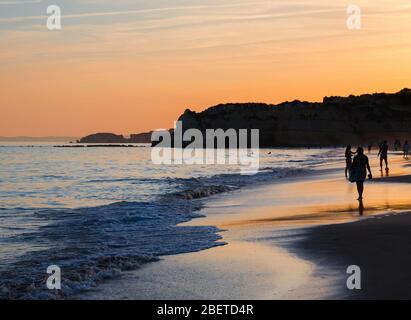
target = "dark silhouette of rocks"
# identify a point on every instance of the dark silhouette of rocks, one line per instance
(103, 138)
(336, 121)
(114, 138)
(144, 137)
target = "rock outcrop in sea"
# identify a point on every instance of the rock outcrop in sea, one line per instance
(115, 138)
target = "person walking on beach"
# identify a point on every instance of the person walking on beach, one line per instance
(406, 149)
(383, 154)
(358, 171)
(348, 159)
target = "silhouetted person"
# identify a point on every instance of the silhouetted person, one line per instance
(383, 154)
(406, 149)
(358, 171)
(369, 148)
(348, 159)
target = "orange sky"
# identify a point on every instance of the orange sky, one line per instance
(111, 69)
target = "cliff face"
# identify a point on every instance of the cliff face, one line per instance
(361, 119)
(141, 137)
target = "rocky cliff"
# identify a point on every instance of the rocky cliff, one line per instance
(362, 119)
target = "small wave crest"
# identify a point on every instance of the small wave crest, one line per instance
(196, 188)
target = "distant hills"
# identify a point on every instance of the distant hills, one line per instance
(38, 139)
(363, 119)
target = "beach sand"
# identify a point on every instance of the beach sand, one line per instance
(292, 239)
(380, 246)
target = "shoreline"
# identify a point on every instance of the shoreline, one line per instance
(278, 243)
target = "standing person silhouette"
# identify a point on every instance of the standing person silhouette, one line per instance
(358, 171)
(406, 149)
(383, 154)
(348, 159)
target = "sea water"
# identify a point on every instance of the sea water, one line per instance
(98, 211)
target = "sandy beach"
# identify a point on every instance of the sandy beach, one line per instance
(291, 239)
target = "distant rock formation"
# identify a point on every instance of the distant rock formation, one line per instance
(362, 119)
(144, 137)
(114, 138)
(103, 138)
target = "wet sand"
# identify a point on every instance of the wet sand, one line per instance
(380, 246)
(292, 239)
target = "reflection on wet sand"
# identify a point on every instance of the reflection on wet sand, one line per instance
(323, 199)
(326, 215)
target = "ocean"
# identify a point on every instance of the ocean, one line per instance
(97, 212)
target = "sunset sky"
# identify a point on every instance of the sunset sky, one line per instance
(127, 66)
